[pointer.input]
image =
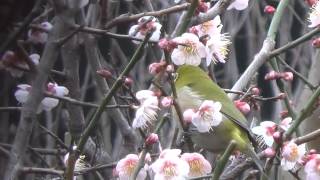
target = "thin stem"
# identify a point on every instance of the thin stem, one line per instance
(223, 160)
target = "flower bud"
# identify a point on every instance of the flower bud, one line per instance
(193, 30)
(269, 9)
(170, 68)
(272, 75)
(282, 96)
(128, 81)
(284, 114)
(287, 76)
(187, 115)
(313, 151)
(167, 101)
(277, 137)
(269, 152)
(244, 107)
(316, 43)
(167, 45)
(155, 68)
(152, 139)
(255, 91)
(310, 2)
(104, 73)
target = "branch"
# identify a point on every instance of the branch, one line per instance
(308, 137)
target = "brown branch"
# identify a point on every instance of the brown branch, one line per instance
(125, 18)
(308, 137)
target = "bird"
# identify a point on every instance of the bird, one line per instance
(193, 87)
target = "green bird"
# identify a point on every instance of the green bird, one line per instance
(194, 86)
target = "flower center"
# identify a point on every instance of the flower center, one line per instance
(190, 48)
(205, 27)
(195, 167)
(270, 130)
(129, 167)
(169, 169)
(294, 153)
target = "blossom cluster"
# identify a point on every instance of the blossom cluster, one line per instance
(171, 164)
(47, 103)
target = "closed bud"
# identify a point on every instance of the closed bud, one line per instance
(128, 81)
(152, 139)
(313, 151)
(287, 76)
(244, 107)
(167, 45)
(272, 75)
(316, 43)
(167, 101)
(255, 91)
(170, 68)
(269, 9)
(277, 137)
(269, 153)
(310, 2)
(282, 96)
(104, 73)
(187, 116)
(284, 114)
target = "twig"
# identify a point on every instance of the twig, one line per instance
(40, 150)
(28, 170)
(10, 108)
(223, 160)
(305, 80)
(125, 18)
(55, 137)
(308, 137)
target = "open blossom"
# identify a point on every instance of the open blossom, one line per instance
(170, 152)
(291, 154)
(146, 24)
(146, 114)
(38, 36)
(210, 28)
(208, 115)
(170, 168)
(312, 168)
(189, 51)
(125, 168)
(239, 4)
(266, 130)
(199, 166)
(47, 103)
(314, 16)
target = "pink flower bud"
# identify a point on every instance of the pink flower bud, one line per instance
(193, 30)
(152, 139)
(202, 7)
(255, 91)
(272, 75)
(187, 115)
(269, 9)
(310, 2)
(287, 76)
(155, 68)
(244, 107)
(282, 95)
(167, 45)
(313, 151)
(157, 93)
(104, 73)
(128, 81)
(316, 43)
(269, 152)
(170, 68)
(167, 101)
(277, 137)
(284, 114)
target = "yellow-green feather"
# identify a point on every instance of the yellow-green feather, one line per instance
(196, 79)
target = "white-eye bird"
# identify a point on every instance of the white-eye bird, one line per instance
(194, 86)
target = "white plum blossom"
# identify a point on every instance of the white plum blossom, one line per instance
(189, 51)
(170, 167)
(47, 103)
(217, 48)
(208, 115)
(211, 28)
(314, 16)
(170, 152)
(141, 29)
(80, 162)
(285, 123)
(266, 130)
(146, 114)
(312, 168)
(38, 36)
(125, 168)
(199, 166)
(239, 5)
(291, 154)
